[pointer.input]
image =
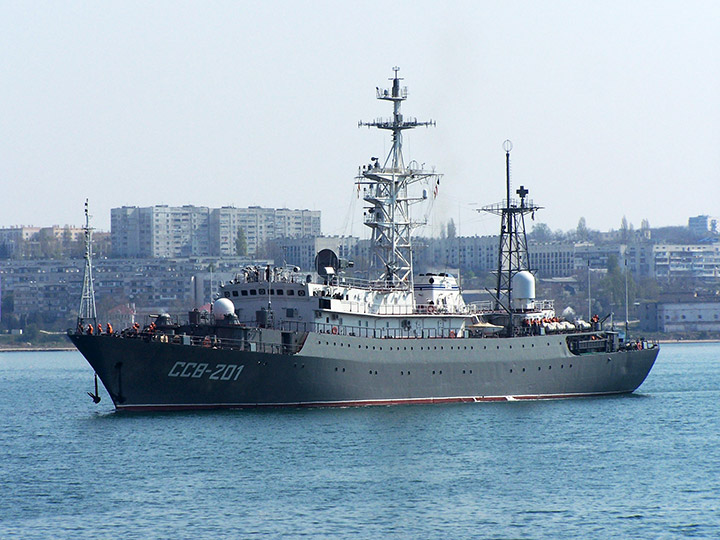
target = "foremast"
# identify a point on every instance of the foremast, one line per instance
(385, 190)
(87, 312)
(513, 255)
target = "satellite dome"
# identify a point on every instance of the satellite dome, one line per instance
(223, 307)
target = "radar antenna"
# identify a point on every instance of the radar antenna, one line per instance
(513, 252)
(385, 190)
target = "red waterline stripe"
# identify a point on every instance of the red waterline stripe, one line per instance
(356, 403)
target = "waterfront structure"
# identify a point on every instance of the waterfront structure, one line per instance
(700, 315)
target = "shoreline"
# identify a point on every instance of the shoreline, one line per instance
(36, 349)
(671, 341)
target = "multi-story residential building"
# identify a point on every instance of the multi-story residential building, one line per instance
(480, 254)
(687, 260)
(162, 231)
(11, 238)
(702, 225)
(53, 287)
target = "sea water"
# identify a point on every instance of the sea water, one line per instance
(645, 465)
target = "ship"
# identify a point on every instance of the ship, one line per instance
(277, 336)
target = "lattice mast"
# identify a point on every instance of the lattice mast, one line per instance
(513, 252)
(87, 312)
(385, 190)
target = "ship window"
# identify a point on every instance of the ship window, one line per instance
(227, 295)
(291, 292)
(290, 313)
(243, 293)
(262, 291)
(272, 291)
(253, 292)
(280, 292)
(235, 293)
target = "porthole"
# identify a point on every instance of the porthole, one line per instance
(510, 370)
(549, 367)
(523, 370)
(441, 372)
(463, 372)
(471, 371)
(433, 372)
(539, 368)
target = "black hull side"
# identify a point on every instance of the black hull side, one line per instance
(151, 375)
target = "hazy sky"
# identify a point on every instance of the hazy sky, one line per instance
(613, 107)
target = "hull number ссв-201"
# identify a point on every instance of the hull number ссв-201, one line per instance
(195, 370)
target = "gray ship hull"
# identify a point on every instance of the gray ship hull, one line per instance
(334, 370)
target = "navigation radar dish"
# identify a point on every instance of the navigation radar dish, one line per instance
(327, 263)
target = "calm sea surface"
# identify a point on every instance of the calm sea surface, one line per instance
(645, 465)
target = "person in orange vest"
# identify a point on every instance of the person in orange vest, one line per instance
(99, 328)
(109, 329)
(90, 329)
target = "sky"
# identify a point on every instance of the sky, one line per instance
(613, 107)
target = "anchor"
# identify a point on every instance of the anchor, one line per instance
(96, 396)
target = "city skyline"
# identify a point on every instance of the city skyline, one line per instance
(611, 115)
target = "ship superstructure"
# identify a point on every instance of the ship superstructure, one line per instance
(279, 336)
